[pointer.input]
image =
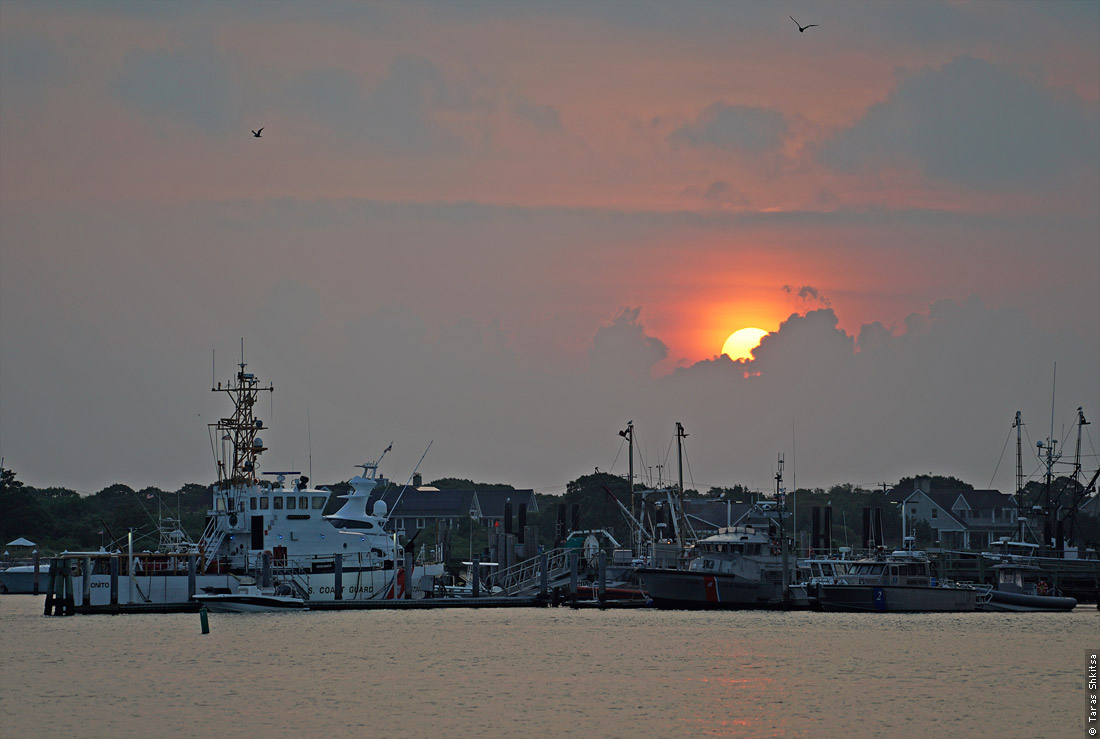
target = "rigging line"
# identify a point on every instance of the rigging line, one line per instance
(688, 462)
(621, 443)
(147, 513)
(1007, 438)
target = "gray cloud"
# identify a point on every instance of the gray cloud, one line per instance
(807, 296)
(400, 112)
(544, 118)
(726, 126)
(719, 193)
(623, 348)
(28, 66)
(972, 122)
(198, 85)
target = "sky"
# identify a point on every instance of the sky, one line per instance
(505, 230)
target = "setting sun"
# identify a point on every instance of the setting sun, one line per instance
(740, 344)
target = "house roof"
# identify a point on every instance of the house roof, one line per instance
(425, 503)
(491, 502)
(986, 499)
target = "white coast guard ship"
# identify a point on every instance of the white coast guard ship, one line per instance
(274, 532)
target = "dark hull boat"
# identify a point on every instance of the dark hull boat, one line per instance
(739, 567)
(1000, 600)
(1021, 587)
(704, 591)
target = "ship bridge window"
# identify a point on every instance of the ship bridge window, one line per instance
(291, 502)
(318, 503)
(277, 502)
(264, 503)
(303, 502)
(252, 503)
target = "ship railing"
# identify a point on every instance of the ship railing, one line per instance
(210, 542)
(526, 576)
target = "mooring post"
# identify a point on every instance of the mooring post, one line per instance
(601, 565)
(57, 586)
(573, 573)
(49, 588)
(265, 570)
(475, 577)
(36, 561)
(204, 620)
(409, 565)
(86, 583)
(338, 576)
(69, 603)
(114, 581)
(191, 569)
(544, 576)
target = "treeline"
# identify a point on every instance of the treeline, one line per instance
(58, 519)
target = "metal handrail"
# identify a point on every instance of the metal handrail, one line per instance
(527, 575)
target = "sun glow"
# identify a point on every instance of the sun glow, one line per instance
(740, 343)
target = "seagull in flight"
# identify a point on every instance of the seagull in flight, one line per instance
(801, 29)
(257, 133)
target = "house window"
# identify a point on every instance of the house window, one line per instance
(420, 523)
(934, 512)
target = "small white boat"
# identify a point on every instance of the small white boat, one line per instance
(250, 599)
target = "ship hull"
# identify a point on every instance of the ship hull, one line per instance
(20, 579)
(684, 589)
(895, 599)
(250, 603)
(365, 585)
(1000, 600)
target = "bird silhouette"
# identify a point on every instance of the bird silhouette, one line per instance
(801, 28)
(257, 133)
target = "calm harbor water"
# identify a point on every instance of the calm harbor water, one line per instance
(544, 672)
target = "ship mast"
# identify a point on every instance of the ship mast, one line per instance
(1019, 478)
(240, 429)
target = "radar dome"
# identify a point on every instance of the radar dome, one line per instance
(380, 508)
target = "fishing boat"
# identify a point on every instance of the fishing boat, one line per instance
(250, 599)
(898, 582)
(742, 566)
(272, 530)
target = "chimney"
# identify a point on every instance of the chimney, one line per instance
(417, 480)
